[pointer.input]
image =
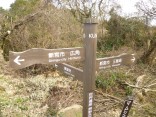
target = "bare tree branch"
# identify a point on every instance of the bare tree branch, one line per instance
(148, 9)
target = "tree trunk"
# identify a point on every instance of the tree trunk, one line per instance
(149, 56)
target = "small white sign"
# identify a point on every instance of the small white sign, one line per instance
(90, 104)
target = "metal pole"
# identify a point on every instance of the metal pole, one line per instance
(90, 43)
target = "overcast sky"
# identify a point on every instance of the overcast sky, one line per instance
(6, 3)
(128, 6)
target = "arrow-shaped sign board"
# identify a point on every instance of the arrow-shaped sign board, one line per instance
(19, 60)
(115, 61)
(76, 73)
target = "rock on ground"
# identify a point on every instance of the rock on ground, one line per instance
(72, 111)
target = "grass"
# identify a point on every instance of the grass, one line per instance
(110, 81)
(26, 97)
(23, 97)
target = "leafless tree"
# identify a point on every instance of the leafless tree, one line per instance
(149, 11)
(86, 8)
(148, 8)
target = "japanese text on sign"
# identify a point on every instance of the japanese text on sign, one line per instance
(126, 108)
(107, 62)
(90, 104)
(117, 62)
(56, 54)
(62, 56)
(67, 69)
(75, 53)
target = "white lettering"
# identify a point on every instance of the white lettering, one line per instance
(107, 62)
(90, 104)
(57, 60)
(90, 112)
(56, 54)
(62, 54)
(123, 115)
(74, 58)
(128, 103)
(51, 55)
(116, 65)
(116, 61)
(126, 108)
(67, 69)
(92, 35)
(105, 67)
(52, 60)
(75, 53)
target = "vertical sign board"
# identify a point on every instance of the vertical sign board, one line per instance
(127, 107)
(89, 69)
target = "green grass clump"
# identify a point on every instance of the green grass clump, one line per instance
(111, 82)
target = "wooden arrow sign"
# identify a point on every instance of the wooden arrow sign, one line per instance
(115, 61)
(76, 73)
(19, 60)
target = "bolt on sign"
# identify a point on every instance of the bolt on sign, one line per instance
(87, 54)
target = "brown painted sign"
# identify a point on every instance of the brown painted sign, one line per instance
(19, 60)
(127, 107)
(115, 61)
(76, 73)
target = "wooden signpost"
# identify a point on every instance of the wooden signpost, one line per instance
(89, 70)
(87, 54)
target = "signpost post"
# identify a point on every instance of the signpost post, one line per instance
(60, 57)
(90, 41)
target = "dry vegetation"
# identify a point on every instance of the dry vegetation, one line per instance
(40, 91)
(43, 96)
